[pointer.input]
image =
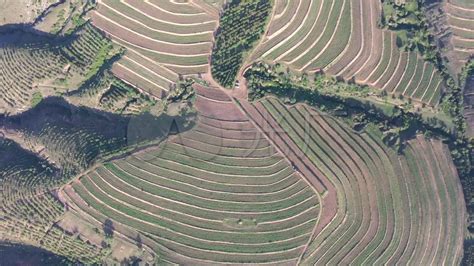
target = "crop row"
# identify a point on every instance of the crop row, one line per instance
(342, 39)
(161, 43)
(407, 191)
(222, 206)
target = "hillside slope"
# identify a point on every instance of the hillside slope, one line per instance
(381, 199)
(342, 38)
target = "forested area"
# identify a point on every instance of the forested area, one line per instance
(241, 25)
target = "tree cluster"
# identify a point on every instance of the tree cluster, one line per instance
(241, 25)
(396, 126)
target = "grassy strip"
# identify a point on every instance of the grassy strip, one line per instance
(425, 82)
(333, 15)
(196, 144)
(312, 149)
(353, 142)
(434, 214)
(226, 168)
(209, 192)
(416, 78)
(207, 203)
(317, 147)
(455, 218)
(463, 33)
(391, 67)
(435, 98)
(185, 61)
(462, 23)
(408, 74)
(158, 24)
(231, 143)
(157, 35)
(192, 170)
(444, 207)
(422, 193)
(383, 184)
(189, 216)
(340, 238)
(211, 214)
(398, 73)
(308, 41)
(339, 41)
(433, 89)
(223, 160)
(238, 186)
(382, 178)
(144, 72)
(463, 44)
(302, 34)
(283, 13)
(239, 154)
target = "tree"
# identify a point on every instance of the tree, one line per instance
(139, 241)
(108, 227)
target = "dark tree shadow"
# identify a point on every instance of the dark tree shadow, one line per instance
(108, 227)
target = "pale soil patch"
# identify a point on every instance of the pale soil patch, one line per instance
(58, 19)
(122, 250)
(22, 11)
(76, 225)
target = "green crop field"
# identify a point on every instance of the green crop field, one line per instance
(337, 37)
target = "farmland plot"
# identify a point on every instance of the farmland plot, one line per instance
(219, 193)
(289, 185)
(164, 39)
(459, 17)
(383, 199)
(252, 182)
(342, 39)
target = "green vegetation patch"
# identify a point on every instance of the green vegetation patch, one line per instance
(36, 98)
(241, 25)
(345, 100)
(408, 21)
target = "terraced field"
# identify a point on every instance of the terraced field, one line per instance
(377, 207)
(342, 39)
(247, 182)
(219, 193)
(109, 93)
(290, 185)
(460, 15)
(164, 39)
